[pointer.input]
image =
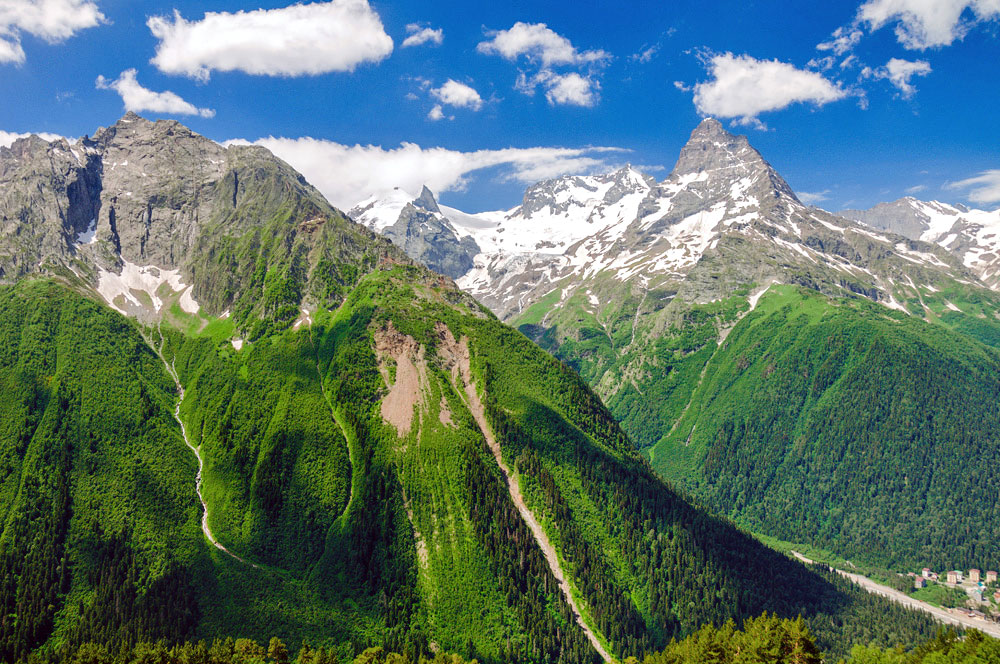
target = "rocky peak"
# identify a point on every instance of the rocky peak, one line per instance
(426, 201)
(725, 163)
(712, 148)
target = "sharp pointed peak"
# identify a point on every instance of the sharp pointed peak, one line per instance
(426, 200)
(714, 154)
(710, 124)
(711, 130)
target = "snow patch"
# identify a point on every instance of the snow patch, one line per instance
(755, 297)
(136, 280)
(88, 236)
(187, 302)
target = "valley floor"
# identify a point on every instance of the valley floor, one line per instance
(946, 616)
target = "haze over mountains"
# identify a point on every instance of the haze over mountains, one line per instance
(972, 235)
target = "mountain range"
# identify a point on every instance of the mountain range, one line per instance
(814, 376)
(229, 410)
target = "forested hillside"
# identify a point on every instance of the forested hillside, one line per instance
(357, 526)
(843, 424)
(762, 640)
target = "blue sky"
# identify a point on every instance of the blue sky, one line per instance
(906, 102)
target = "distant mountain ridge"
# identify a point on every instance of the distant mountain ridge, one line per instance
(625, 224)
(972, 235)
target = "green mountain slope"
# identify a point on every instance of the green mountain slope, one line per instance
(866, 427)
(352, 533)
(384, 462)
(839, 423)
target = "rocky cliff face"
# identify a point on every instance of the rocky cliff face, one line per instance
(153, 216)
(49, 196)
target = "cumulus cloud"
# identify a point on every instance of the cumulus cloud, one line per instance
(743, 87)
(545, 49)
(538, 43)
(571, 89)
(419, 34)
(347, 174)
(920, 24)
(437, 113)
(138, 99)
(7, 138)
(51, 20)
(899, 72)
(300, 40)
(983, 188)
(812, 198)
(458, 94)
(923, 24)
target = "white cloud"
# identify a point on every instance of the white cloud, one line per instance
(139, 99)
(844, 39)
(51, 20)
(923, 24)
(812, 198)
(567, 89)
(10, 50)
(899, 72)
(437, 113)
(646, 55)
(743, 87)
(7, 138)
(983, 188)
(458, 94)
(547, 49)
(571, 89)
(822, 64)
(300, 40)
(419, 34)
(347, 174)
(916, 189)
(538, 43)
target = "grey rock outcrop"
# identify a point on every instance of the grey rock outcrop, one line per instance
(427, 237)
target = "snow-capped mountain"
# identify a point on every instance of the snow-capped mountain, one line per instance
(722, 218)
(972, 235)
